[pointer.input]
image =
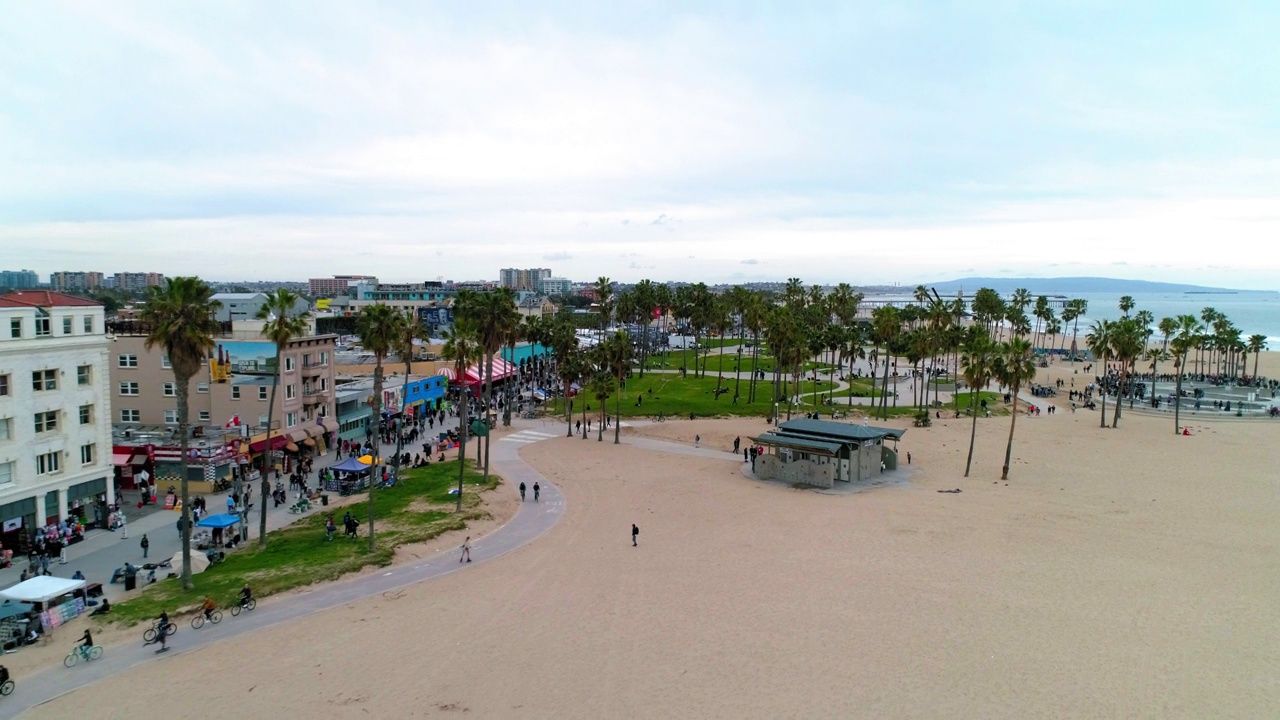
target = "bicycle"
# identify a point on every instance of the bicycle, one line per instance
(6, 688)
(660, 417)
(150, 635)
(249, 604)
(197, 622)
(79, 653)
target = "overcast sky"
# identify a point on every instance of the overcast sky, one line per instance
(850, 142)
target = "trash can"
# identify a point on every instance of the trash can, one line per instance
(130, 582)
(324, 500)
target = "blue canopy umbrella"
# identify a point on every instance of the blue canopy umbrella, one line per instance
(219, 521)
(350, 465)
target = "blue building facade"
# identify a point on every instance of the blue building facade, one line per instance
(425, 394)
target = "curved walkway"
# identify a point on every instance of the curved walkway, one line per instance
(531, 521)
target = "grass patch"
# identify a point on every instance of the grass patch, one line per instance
(677, 397)
(418, 509)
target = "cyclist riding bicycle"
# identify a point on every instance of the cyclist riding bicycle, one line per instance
(245, 595)
(208, 607)
(86, 642)
(4, 674)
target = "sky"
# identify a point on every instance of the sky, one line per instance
(870, 143)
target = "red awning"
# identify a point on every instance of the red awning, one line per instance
(278, 441)
(501, 371)
(447, 372)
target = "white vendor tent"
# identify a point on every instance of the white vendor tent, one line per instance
(41, 589)
(199, 562)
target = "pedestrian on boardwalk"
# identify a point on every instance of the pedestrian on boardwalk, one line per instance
(745, 452)
(908, 457)
(537, 490)
(466, 550)
(521, 492)
(635, 535)
(145, 545)
(737, 443)
(697, 439)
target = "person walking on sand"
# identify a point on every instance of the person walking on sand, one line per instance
(537, 490)
(737, 443)
(466, 550)
(635, 535)
(146, 544)
(697, 439)
(521, 492)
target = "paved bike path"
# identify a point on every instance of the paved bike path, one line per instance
(531, 520)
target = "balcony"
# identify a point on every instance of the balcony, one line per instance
(314, 396)
(311, 368)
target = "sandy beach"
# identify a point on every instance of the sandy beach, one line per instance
(1118, 573)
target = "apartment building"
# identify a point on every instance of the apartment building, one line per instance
(68, 281)
(136, 282)
(19, 279)
(336, 285)
(522, 279)
(55, 424)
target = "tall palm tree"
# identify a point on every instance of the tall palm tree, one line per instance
(282, 324)
(1153, 357)
(979, 367)
(1126, 304)
(570, 367)
(604, 297)
(645, 298)
(1126, 346)
(378, 326)
(617, 357)
(1257, 343)
(885, 326)
(410, 329)
(180, 320)
(1100, 339)
(1185, 339)
(1015, 366)
(1077, 307)
(601, 387)
(753, 318)
(462, 348)
(493, 315)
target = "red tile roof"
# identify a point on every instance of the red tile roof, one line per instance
(44, 298)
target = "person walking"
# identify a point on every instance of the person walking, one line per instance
(697, 440)
(522, 491)
(635, 535)
(537, 490)
(466, 550)
(145, 545)
(737, 443)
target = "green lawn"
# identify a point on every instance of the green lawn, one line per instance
(677, 397)
(417, 509)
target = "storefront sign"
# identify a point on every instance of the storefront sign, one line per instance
(11, 525)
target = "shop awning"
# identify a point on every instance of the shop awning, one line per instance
(123, 459)
(299, 434)
(291, 447)
(278, 442)
(501, 371)
(326, 424)
(447, 372)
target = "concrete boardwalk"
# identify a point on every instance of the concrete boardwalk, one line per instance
(530, 521)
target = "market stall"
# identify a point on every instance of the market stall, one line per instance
(57, 600)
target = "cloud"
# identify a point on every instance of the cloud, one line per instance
(659, 220)
(554, 256)
(750, 261)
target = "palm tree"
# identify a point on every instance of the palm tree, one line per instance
(1015, 366)
(604, 297)
(282, 324)
(886, 324)
(1126, 346)
(753, 318)
(493, 315)
(180, 318)
(1126, 304)
(1257, 343)
(601, 387)
(646, 302)
(979, 366)
(1077, 308)
(1100, 339)
(1154, 356)
(410, 329)
(462, 348)
(1184, 340)
(617, 356)
(378, 326)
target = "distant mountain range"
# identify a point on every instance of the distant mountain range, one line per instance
(1069, 285)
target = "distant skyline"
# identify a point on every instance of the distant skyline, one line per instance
(852, 142)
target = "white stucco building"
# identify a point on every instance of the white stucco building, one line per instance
(55, 413)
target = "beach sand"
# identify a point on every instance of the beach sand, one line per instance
(1118, 573)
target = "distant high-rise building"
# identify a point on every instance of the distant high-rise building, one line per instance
(555, 286)
(526, 279)
(337, 285)
(136, 282)
(68, 281)
(19, 279)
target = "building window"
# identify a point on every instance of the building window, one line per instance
(290, 391)
(4, 385)
(47, 464)
(164, 361)
(262, 421)
(291, 419)
(262, 392)
(204, 416)
(170, 390)
(6, 473)
(324, 384)
(84, 375)
(324, 358)
(235, 392)
(128, 388)
(86, 414)
(127, 361)
(130, 416)
(66, 326)
(288, 364)
(88, 324)
(46, 421)
(6, 428)
(44, 380)
(86, 454)
(42, 327)
(170, 417)
(15, 328)
(202, 387)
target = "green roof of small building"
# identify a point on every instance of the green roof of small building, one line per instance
(798, 443)
(839, 431)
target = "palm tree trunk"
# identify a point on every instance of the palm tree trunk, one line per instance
(184, 431)
(973, 431)
(1177, 400)
(568, 415)
(488, 398)
(1008, 449)
(1102, 393)
(266, 453)
(1124, 376)
(462, 442)
(377, 445)
(617, 414)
